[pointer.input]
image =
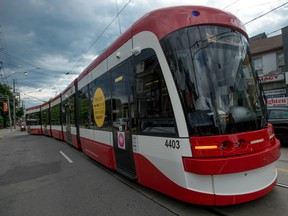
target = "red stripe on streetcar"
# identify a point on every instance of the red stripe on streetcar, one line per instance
(232, 164)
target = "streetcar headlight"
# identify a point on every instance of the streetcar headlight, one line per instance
(256, 141)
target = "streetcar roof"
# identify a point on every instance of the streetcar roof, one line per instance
(166, 20)
(71, 85)
(34, 107)
(56, 97)
(162, 22)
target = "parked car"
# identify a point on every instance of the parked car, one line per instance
(278, 117)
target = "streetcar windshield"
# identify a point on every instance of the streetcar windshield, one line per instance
(219, 90)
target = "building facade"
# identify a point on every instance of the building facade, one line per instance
(270, 59)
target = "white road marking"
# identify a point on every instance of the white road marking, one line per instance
(66, 157)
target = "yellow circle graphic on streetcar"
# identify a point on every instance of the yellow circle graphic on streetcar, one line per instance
(99, 107)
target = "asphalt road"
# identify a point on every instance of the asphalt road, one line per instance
(43, 176)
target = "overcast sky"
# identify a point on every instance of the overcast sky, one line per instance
(49, 38)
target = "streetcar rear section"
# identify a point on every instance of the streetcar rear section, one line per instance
(33, 120)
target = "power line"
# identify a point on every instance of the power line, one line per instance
(2, 68)
(11, 64)
(86, 51)
(230, 4)
(265, 13)
(118, 17)
(20, 59)
(2, 40)
(34, 97)
(34, 66)
(273, 31)
(244, 8)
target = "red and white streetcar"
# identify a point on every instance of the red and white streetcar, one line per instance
(175, 104)
(33, 122)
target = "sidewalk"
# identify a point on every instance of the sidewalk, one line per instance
(5, 132)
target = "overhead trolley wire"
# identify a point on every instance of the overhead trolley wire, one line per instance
(244, 8)
(273, 31)
(265, 13)
(87, 50)
(20, 59)
(230, 4)
(34, 66)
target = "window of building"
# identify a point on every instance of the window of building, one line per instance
(258, 66)
(280, 61)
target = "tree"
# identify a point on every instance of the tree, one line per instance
(5, 91)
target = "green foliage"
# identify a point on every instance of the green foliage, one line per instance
(1, 122)
(6, 90)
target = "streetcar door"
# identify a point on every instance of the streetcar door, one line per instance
(121, 118)
(68, 123)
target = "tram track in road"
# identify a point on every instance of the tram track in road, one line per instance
(155, 196)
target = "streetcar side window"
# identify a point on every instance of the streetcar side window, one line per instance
(33, 118)
(72, 110)
(154, 109)
(84, 105)
(45, 117)
(55, 115)
(68, 111)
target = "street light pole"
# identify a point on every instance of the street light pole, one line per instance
(9, 112)
(14, 108)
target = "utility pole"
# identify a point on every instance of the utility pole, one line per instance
(9, 110)
(14, 108)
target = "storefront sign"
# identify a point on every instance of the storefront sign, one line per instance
(281, 91)
(283, 101)
(272, 78)
(275, 96)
